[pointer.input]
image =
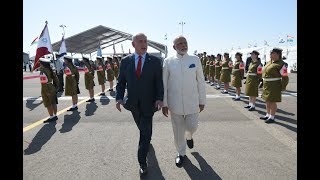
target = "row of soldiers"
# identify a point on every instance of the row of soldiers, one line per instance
(105, 71)
(274, 75)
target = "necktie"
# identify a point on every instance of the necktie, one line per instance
(138, 70)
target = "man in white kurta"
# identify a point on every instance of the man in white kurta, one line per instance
(184, 95)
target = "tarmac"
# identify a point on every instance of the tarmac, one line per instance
(99, 142)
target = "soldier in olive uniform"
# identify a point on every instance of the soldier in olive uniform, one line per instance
(49, 84)
(101, 75)
(217, 66)
(226, 67)
(206, 69)
(254, 74)
(71, 82)
(275, 79)
(88, 78)
(237, 75)
(110, 72)
(212, 69)
(116, 66)
(204, 60)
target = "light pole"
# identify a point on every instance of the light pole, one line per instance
(182, 23)
(166, 38)
(63, 26)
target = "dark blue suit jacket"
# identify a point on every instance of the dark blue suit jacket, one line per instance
(145, 90)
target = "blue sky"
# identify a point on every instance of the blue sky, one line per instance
(214, 26)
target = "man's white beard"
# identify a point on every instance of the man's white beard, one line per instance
(182, 52)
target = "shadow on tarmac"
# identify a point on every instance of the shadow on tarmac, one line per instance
(205, 171)
(70, 120)
(104, 100)
(154, 171)
(30, 103)
(41, 138)
(90, 108)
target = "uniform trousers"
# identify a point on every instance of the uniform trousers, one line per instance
(183, 128)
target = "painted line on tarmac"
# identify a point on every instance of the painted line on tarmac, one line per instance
(33, 125)
(210, 96)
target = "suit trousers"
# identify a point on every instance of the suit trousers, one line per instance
(183, 128)
(144, 124)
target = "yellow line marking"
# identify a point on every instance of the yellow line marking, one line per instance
(33, 125)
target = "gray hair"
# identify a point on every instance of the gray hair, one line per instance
(178, 37)
(134, 37)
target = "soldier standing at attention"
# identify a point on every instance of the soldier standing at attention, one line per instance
(252, 81)
(226, 72)
(204, 63)
(72, 81)
(212, 69)
(218, 70)
(275, 79)
(116, 66)
(237, 75)
(207, 67)
(101, 75)
(88, 78)
(110, 73)
(49, 84)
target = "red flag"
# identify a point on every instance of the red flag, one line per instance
(44, 47)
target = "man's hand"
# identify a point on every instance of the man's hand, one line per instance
(119, 102)
(201, 107)
(158, 104)
(165, 111)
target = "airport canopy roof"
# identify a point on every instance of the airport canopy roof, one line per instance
(87, 41)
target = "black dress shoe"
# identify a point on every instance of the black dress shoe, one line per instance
(73, 109)
(143, 170)
(179, 161)
(252, 109)
(102, 94)
(264, 117)
(247, 106)
(51, 119)
(90, 100)
(190, 143)
(110, 90)
(268, 121)
(236, 99)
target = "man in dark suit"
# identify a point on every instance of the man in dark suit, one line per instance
(141, 74)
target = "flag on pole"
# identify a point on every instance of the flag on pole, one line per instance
(63, 49)
(289, 38)
(122, 49)
(99, 52)
(44, 46)
(34, 41)
(281, 40)
(114, 48)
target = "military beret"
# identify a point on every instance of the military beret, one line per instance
(226, 54)
(67, 58)
(44, 60)
(238, 54)
(276, 50)
(255, 52)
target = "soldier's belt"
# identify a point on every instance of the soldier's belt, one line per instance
(73, 75)
(235, 69)
(252, 74)
(49, 83)
(217, 66)
(225, 67)
(211, 65)
(271, 79)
